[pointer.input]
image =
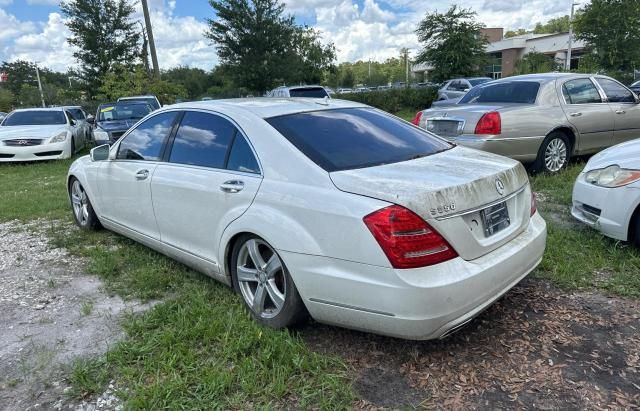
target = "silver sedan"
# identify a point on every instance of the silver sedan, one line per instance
(541, 119)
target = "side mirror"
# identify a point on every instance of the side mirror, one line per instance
(100, 153)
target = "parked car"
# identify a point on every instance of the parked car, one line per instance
(83, 121)
(39, 134)
(345, 91)
(635, 87)
(368, 224)
(114, 119)
(542, 119)
(150, 100)
(458, 87)
(606, 194)
(299, 91)
(361, 90)
(384, 88)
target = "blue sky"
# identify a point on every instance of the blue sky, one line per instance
(360, 29)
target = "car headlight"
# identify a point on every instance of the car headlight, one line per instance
(100, 135)
(59, 138)
(612, 176)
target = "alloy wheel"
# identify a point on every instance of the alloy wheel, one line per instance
(80, 203)
(261, 278)
(555, 155)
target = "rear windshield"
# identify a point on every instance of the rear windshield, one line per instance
(308, 92)
(35, 118)
(476, 81)
(344, 139)
(524, 92)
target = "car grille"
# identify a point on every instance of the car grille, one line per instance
(2, 155)
(445, 128)
(23, 142)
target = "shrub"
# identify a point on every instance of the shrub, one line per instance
(395, 100)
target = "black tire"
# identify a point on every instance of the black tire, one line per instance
(554, 153)
(83, 213)
(291, 311)
(634, 230)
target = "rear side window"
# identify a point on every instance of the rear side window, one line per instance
(241, 157)
(345, 139)
(580, 91)
(318, 92)
(145, 141)
(616, 92)
(202, 140)
(523, 92)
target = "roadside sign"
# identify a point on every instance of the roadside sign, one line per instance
(4, 77)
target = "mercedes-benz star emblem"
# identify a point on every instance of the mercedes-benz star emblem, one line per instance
(499, 186)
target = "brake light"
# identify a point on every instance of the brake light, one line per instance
(534, 205)
(406, 239)
(417, 118)
(489, 123)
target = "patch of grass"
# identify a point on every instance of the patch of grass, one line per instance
(578, 257)
(86, 307)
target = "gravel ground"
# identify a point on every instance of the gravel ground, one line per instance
(51, 313)
(536, 348)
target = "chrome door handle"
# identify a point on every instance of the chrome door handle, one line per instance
(232, 186)
(142, 175)
(620, 112)
(575, 114)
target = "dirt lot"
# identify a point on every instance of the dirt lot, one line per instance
(536, 348)
(51, 314)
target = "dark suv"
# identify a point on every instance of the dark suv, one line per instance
(114, 119)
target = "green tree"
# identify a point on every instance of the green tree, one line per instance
(104, 34)
(611, 30)
(452, 43)
(556, 25)
(6, 100)
(195, 81)
(535, 62)
(262, 46)
(513, 33)
(20, 72)
(348, 79)
(124, 81)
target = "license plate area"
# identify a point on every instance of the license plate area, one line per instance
(495, 219)
(445, 128)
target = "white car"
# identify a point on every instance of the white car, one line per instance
(606, 194)
(332, 208)
(299, 91)
(39, 134)
(82, 119)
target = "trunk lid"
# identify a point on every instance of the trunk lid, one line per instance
(452, 121)
(455, 192)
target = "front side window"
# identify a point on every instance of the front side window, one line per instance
(580, 91)
(343, 139)
(35, 118)
(77, 113)
(616, 92)
(145, 141)
(202, 140)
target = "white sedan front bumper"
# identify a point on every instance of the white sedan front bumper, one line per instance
(608, 210)
(40, 152)
(419, 304)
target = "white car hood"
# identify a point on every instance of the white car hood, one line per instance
(625, 155)
(11, 132)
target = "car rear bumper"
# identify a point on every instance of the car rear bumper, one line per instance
(420, 304)
(524, 149)
(608, 210)
(35, 153)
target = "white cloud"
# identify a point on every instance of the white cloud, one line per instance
(44, 2)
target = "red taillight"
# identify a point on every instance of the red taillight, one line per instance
(416, 119)
(406, 239)
(534, 206)
(489, 123)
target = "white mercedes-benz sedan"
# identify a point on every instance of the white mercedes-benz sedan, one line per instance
(606, 194)
(330, 208)
(39, 134)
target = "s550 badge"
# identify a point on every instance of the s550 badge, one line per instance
(443, 209)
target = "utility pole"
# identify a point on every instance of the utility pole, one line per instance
(40, 87)
(152, 44)
(568, 62)
(369, 70)
(406, 62)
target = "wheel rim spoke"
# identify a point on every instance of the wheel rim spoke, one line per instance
(273, 266)
(258, 299)
(254, 254)
(274, 294)
(247, 274)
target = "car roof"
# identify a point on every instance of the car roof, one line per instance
(65, 107)
(266, 107)
(297, 87)
(543, 77)
(40, 109)
(130, 97)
